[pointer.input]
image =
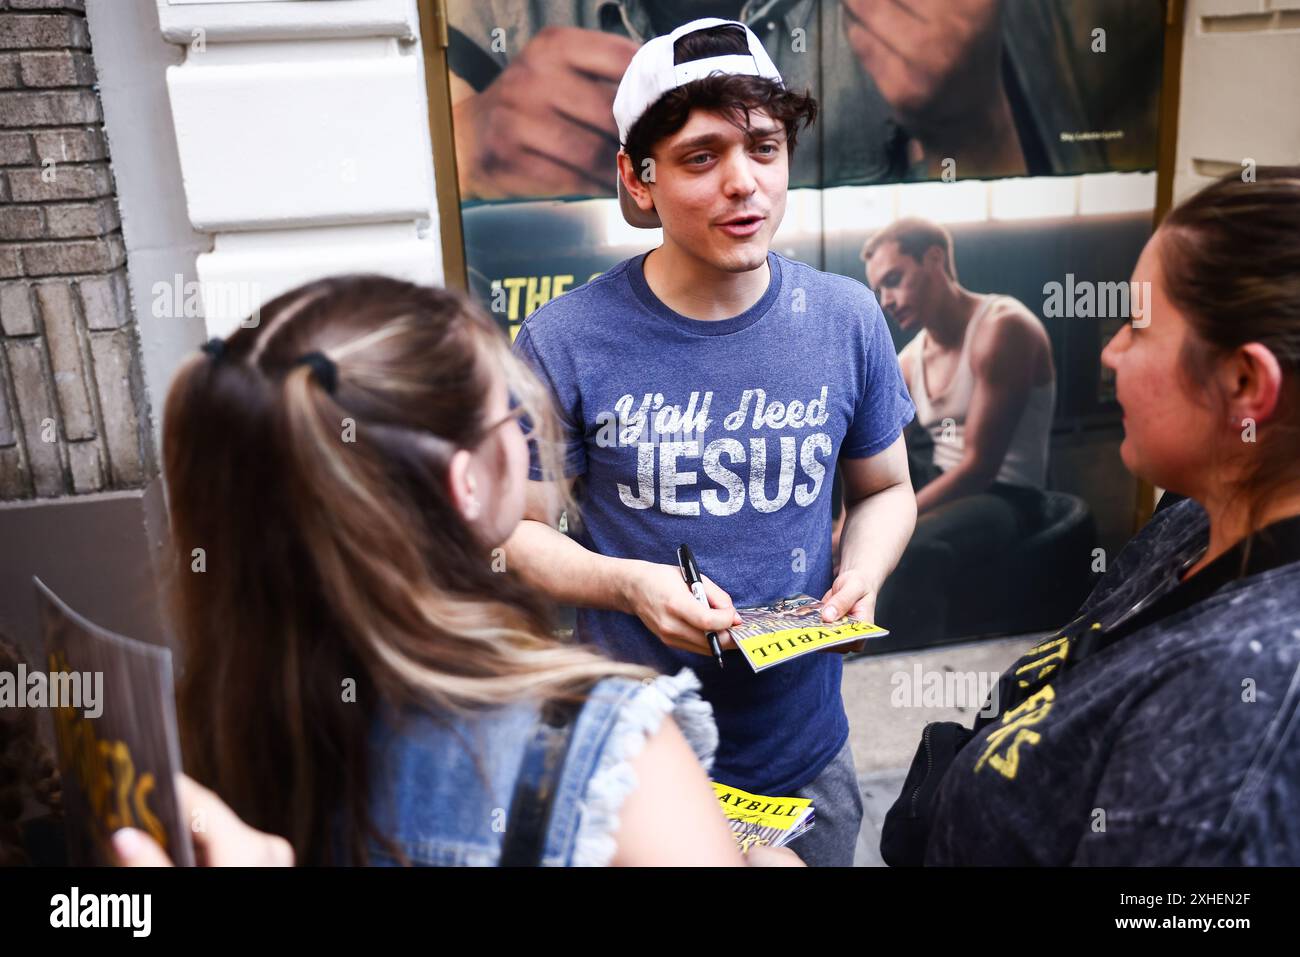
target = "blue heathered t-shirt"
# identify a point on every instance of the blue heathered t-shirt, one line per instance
(723, 435)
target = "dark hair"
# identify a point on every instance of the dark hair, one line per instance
(1230, 257)
(731, 95)
(26, 768)
(334, 553)
(914, 236)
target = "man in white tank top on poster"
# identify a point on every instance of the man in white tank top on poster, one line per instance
(981, 376)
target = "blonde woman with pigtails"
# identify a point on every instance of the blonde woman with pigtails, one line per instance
(361, 673)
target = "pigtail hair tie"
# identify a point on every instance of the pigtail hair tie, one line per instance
(214, 347)
(322, 367)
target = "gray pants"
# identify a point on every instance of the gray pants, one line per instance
(838, 805)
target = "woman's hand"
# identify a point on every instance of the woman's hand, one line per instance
(762, 856)
(221, 839)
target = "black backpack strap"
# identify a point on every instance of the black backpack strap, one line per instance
(537, 784)
(907, 823)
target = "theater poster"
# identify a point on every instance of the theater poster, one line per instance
(1025, 129)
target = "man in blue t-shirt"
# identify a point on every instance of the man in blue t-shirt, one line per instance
(707, 390)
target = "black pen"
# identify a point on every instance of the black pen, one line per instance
(691, 573)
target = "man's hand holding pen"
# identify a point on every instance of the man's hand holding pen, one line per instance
(657, 595)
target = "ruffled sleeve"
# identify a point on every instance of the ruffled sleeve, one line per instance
(639, 716)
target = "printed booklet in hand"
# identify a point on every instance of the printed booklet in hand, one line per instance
(758, 819)
(774, 634)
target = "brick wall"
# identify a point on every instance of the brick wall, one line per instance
(72, 413)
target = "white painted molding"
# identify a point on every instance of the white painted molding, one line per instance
(226, 22)
(335, 135)
(303, 137)
(246, 271)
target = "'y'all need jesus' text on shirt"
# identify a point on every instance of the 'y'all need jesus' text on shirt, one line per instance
(723, 434)
(672, 442)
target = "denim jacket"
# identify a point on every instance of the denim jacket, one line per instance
(442, 785)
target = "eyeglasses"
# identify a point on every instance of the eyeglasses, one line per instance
(512, 414)
(517, 411)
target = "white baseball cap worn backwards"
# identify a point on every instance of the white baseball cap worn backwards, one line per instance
(652, 73)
